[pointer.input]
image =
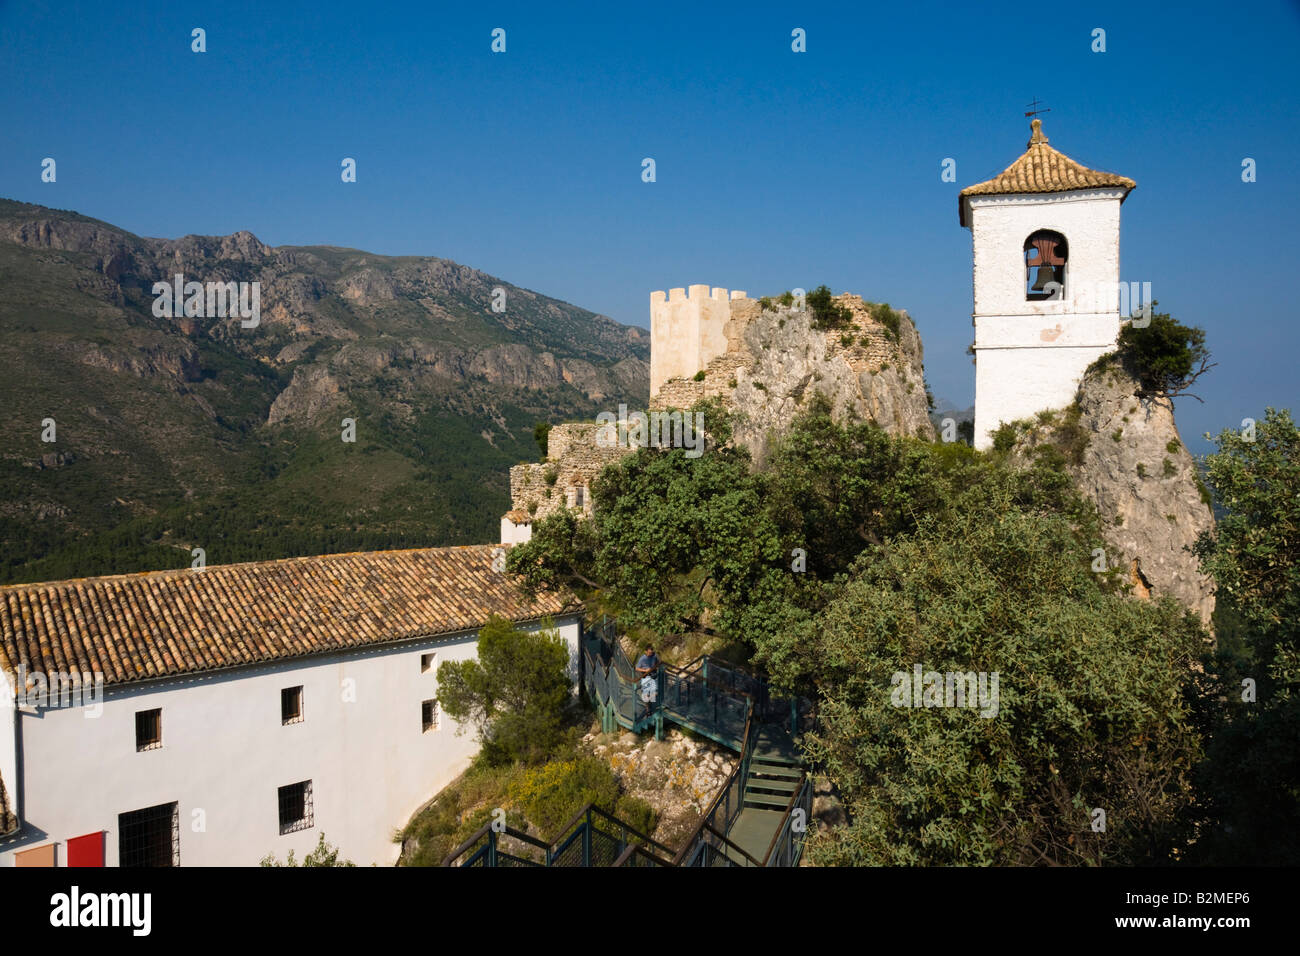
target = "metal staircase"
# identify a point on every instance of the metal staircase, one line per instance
(759, 817)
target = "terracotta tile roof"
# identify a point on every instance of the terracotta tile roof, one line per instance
(139, 626)
(518, 516)
(1042, 170)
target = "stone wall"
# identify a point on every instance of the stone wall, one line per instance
(574, 459)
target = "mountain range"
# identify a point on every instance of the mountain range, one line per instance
(171, 434)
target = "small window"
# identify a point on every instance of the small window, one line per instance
(578, 497)
(291, 705)
(295, 807)
(149, 837)
(427, 661)
(429, 715)
(148, 729)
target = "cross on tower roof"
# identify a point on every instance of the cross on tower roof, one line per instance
(1034, 110)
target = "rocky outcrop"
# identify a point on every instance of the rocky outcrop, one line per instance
(775, 361)
(313, 391)
(1124, 453)
(678, 776)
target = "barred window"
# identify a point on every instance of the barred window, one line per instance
(148, 729)
(149, 837)
(295, 807)
(291, 705)
(429, 715)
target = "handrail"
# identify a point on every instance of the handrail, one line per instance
(592, 808)
(789, 809)
(732, 845)
(565, 831)
(636, 849)
(694, 837)
(483, 831)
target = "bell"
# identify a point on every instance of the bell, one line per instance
(1046, 274)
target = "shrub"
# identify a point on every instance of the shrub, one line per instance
(699, 376)
(1173, 446)
(826, 312)
(637, 814)
(887, 317)
(549, 795)
(1071, 437)
(786, 298)
(1168, 470)
(1004, 438)
(540, 432)
(765, 303)
(846, 339)
(1141, 470)
(1165, 355)
(550, 476)
(323, 855)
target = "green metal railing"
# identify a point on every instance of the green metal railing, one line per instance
(591, 838)
(787, 843)
(719, 701)
(699, 848)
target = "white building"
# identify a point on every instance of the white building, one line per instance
(243, 709)
(1046, 274)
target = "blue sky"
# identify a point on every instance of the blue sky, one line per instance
(774, 169)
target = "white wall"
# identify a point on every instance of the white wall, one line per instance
(512, 533)
(1030, 355)
(687, 331)
(225, 753)
(9, 743)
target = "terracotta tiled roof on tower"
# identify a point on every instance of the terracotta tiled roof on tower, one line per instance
(131, 627)
(1043, 170)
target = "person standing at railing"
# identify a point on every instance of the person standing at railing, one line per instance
(647, 669)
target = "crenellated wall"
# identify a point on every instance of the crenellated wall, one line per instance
(687, 331)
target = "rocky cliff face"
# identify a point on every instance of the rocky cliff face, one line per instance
(1125, 455)
(776, 361)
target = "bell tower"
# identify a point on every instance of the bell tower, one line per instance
(1045, 235)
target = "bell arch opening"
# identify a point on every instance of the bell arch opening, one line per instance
(1046, 256)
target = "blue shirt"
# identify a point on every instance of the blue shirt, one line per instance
(647, 662)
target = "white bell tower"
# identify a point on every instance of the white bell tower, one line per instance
(1046, 274)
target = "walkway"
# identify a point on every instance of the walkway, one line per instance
(759, 817)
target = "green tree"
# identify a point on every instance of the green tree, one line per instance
(541, 432)
(514, 693)
(1251, 777)
(826, 312)
(1091, 709)
(1166, 355)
